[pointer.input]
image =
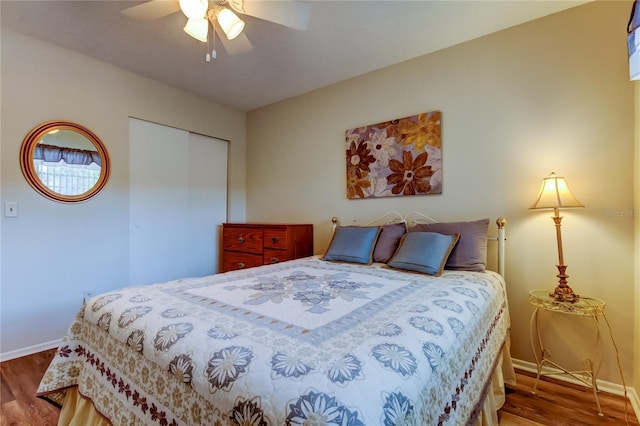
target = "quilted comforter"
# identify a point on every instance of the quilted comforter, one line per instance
(300, 342)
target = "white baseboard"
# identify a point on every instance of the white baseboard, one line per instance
(609, 387)
(29, 350)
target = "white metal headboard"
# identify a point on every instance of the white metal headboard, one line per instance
(414, 218)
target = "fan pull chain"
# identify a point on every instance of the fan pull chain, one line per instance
(207, 56)
(213, 53)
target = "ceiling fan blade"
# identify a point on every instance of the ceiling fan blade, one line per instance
(238, 45)
(152, 10)
(290, 13)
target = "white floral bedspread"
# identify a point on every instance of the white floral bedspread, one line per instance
(301, 342)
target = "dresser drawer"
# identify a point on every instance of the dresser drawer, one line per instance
(233, 261)
(272, 256)
(245, 245)
(275, 238)
(245, 240)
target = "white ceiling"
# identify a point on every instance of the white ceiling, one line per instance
(344, 39)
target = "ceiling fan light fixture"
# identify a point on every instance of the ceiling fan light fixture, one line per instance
(194, 9)
(230, 23)
(197, 28)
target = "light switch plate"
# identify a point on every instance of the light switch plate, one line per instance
(10, 209)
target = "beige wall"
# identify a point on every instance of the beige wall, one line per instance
(549, 95)
(52, 252)
(636, 179)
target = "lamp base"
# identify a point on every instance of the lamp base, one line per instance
(563, 293)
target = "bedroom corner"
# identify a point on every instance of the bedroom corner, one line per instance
(30, 95)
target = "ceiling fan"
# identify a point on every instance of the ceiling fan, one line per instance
(220, 15)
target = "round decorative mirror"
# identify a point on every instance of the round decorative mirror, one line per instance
(64, 161)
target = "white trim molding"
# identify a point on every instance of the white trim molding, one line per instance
(609, 387)
(29, 350)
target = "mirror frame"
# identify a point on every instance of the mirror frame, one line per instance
(28, 170)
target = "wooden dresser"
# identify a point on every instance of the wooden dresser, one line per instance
(245, 245)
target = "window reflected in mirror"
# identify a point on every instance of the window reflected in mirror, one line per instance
(64, 161)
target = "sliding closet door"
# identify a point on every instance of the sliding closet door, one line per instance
(207, 202)
(177, 200)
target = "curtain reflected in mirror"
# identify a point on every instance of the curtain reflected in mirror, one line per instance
(64, 161)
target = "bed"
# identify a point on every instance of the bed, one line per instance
(323, 340)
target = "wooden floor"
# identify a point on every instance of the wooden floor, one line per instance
(555, 403)
(562, 404)
(19, 379)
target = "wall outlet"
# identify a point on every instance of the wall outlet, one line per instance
(86, 295)
(11, 209)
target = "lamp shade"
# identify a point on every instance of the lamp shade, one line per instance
(555, 194)
(633, 42)
(194, 9)
(230, 23)
(197, 28)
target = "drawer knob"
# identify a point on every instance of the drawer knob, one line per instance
(240, 240)
(274, 260)
(275, 240)
(241, 265)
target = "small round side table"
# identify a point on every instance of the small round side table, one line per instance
(584, 306)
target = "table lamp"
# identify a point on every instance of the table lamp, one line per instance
(555, 194)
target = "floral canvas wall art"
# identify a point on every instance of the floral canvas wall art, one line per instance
(396, 157)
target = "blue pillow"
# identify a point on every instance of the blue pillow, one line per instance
(470, 254)
(424, 252)
(353, 244)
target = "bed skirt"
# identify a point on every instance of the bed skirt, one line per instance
(79, 411)
(494, 399)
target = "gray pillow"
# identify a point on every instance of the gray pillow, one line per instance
(388, 241)
(424, 252)
(353, 244)
(470, 254)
